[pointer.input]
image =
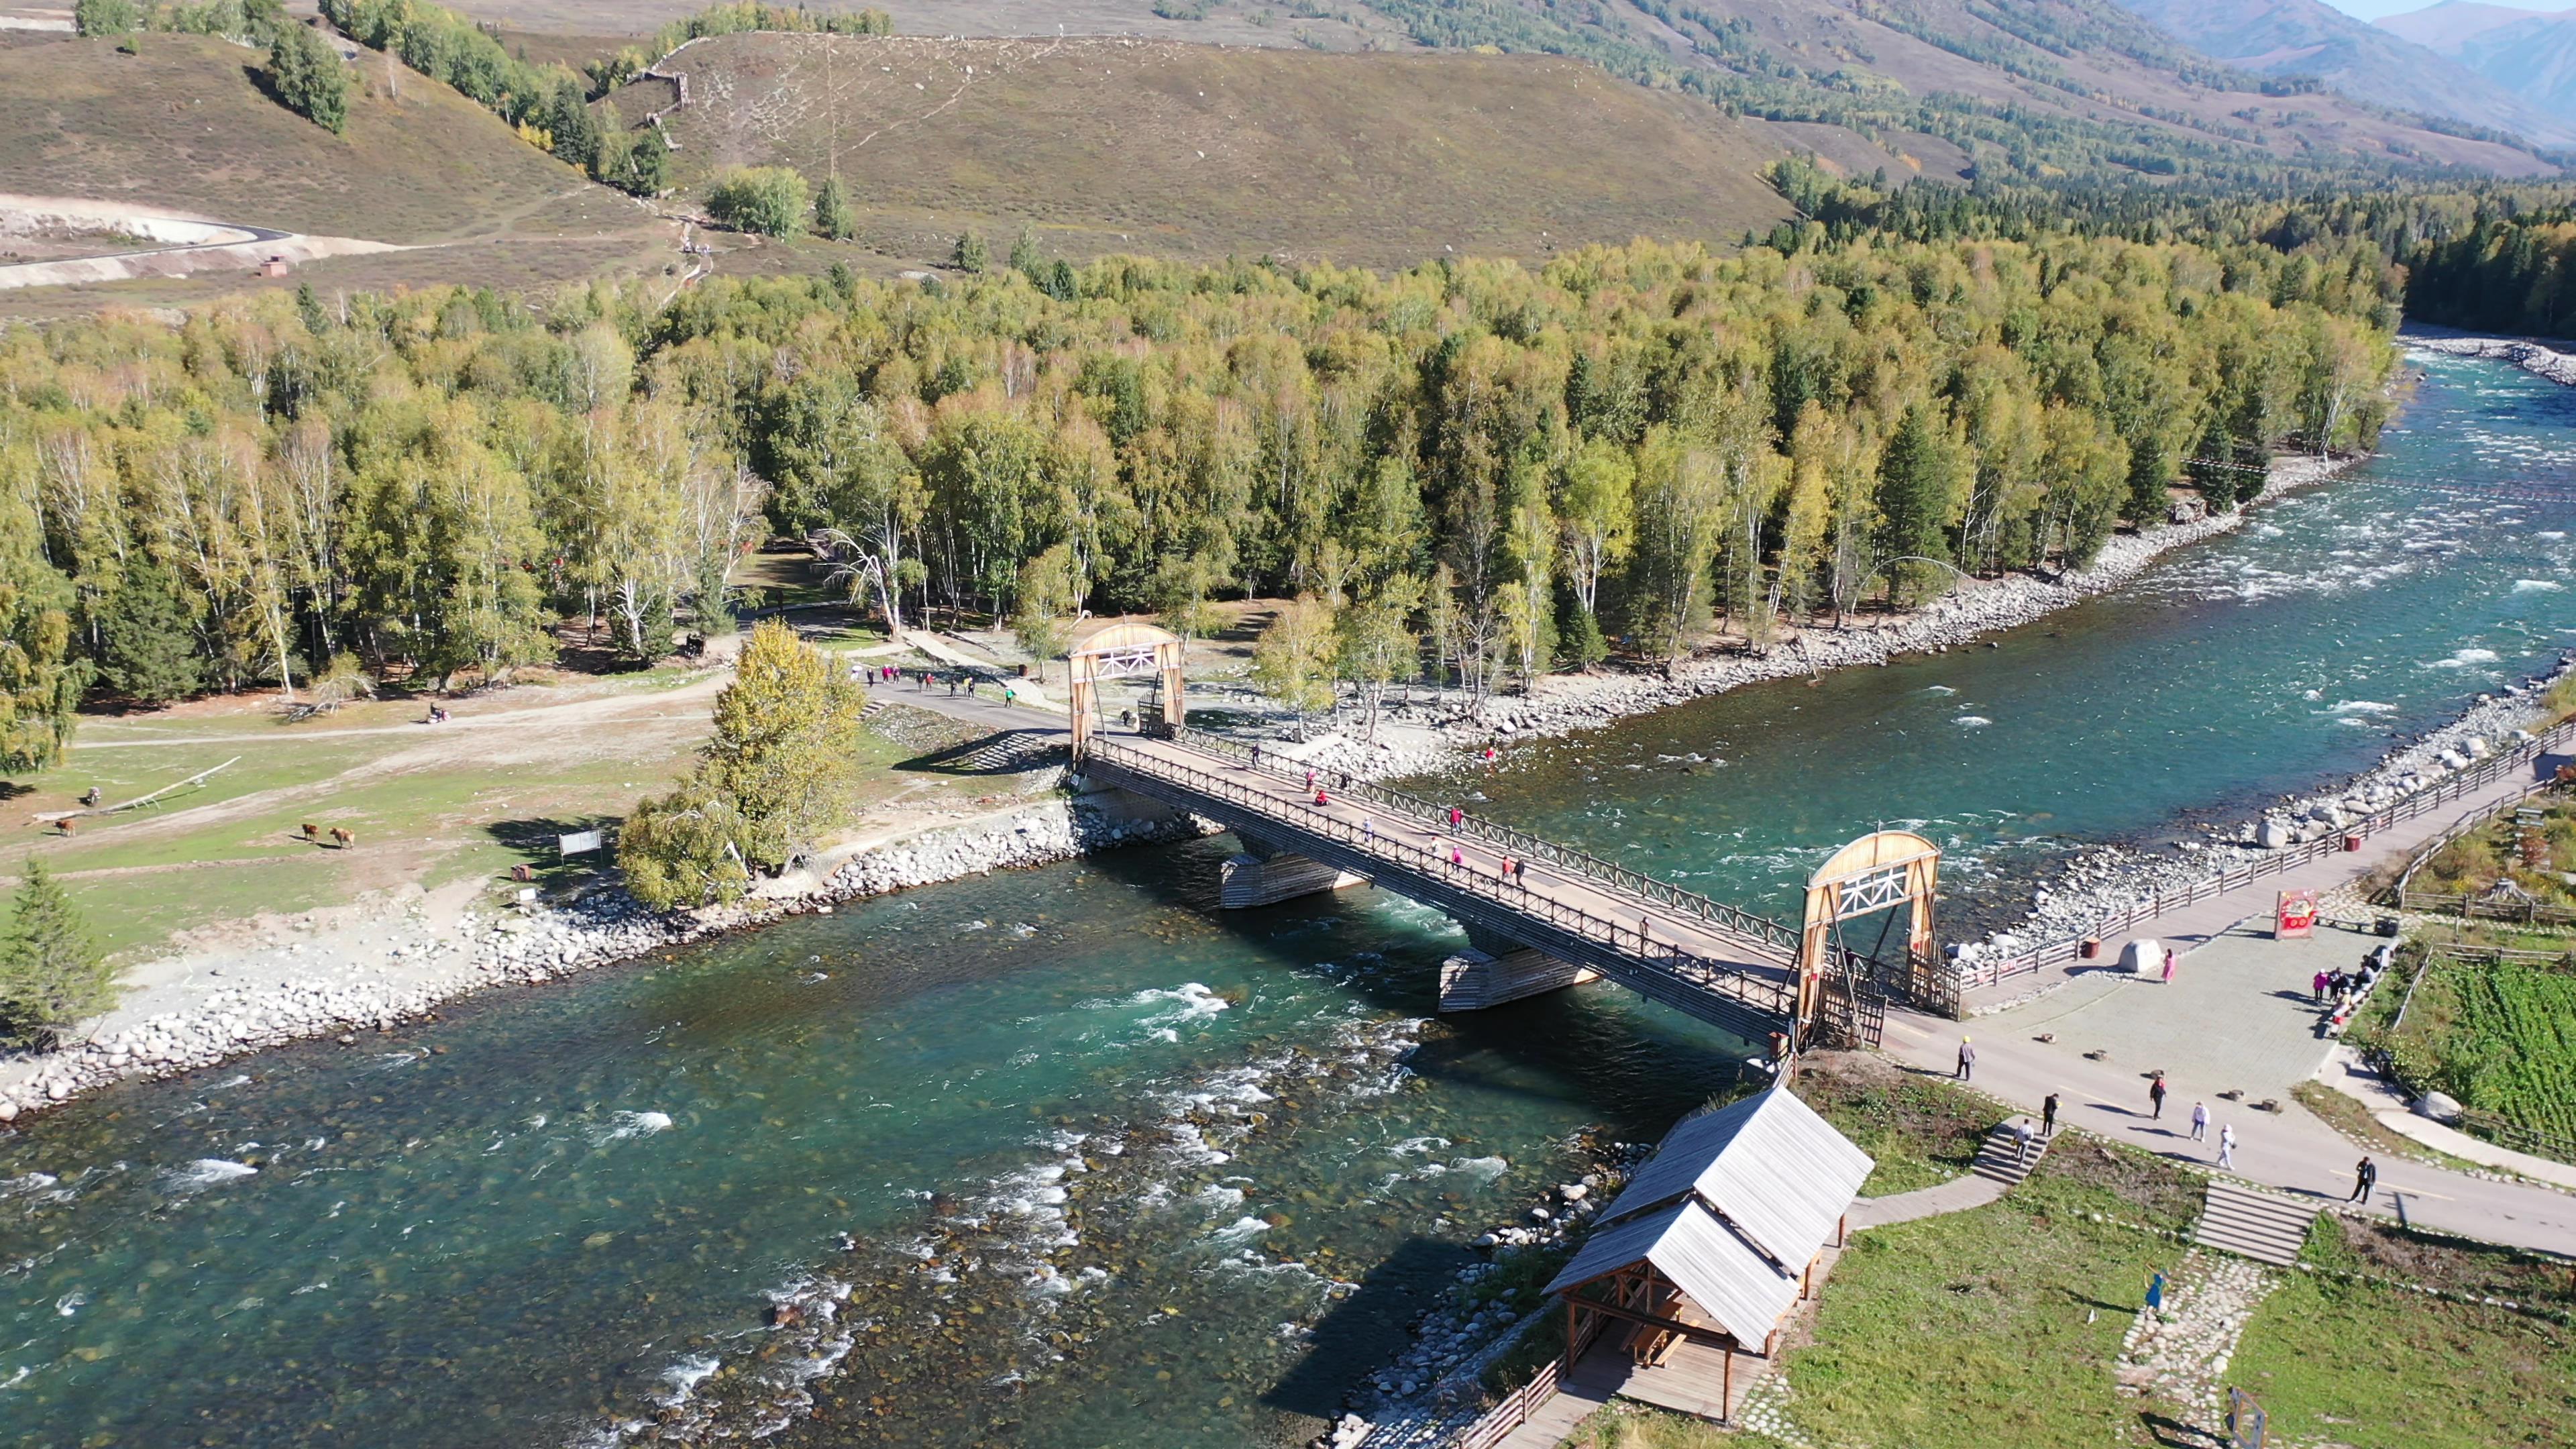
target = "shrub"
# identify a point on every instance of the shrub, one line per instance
(765, 200)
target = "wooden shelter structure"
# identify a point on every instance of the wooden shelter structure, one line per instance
(1880, 871)
(1125, 651)
(1712, 1243)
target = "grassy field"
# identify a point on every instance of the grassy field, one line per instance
(491, 788)
(1116, 145)
(1921, 1132)
(2375, 1367)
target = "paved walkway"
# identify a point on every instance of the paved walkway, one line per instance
(2195, 925)
(2389, 1108)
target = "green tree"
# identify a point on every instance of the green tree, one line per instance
(306, 76)
(1919, 480)
(148, 645)
(972, 255)
(1024, 253)
(833, 218)
(786, 741)
(764, 200)
(41, 678)
(1681, 520)
(684, 850)
(575, 130)
(1293, 660)
(106, 17)
(52, 975)
(1050, 590)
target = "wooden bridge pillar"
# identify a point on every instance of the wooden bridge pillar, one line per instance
(1265, 875)
(1495, 969)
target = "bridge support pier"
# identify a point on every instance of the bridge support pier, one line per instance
(1493, 970)
(1264, 875)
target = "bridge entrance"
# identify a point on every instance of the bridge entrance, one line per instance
(1876, 875)
(1126, 651)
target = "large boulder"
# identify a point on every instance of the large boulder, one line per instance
(2273, 834)
(2440, 1106)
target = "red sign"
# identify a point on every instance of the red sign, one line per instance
(2295, 916)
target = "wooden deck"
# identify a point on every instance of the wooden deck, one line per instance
(1732, 968)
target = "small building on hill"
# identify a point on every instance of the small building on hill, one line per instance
(1708, 1248)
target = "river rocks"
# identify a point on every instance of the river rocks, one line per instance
(606, 926)
(2531, 357)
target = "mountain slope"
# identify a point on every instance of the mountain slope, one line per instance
(1199, 151)
(185, 124)
(2309, 38)
(2529, 53)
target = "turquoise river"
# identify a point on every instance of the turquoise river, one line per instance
(1065, 1158)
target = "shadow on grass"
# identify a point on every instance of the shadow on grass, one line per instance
(1010, 752)
(539, 842)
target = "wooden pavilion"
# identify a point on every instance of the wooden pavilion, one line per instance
(1698, 1261)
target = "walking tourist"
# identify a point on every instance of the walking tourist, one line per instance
(2200, 1121)
(2048, 1115)
(2156, 1292)
(2365, 1176)
(1457, 818)
(2227, 1146)
(2169, 965)
(2021, 1140)
(2317, 987)
(2156, 1096)
(1368, 827)
(1967, 1059)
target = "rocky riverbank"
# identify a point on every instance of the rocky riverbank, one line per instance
(366, 969)
(1426, 738)
(2531, 357)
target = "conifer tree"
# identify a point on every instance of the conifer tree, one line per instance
(150, 642)
(307, 76)
(832, 217)
(52, 975)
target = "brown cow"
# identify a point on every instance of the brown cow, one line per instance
(312, 832)
(64, 824)
(342, 838)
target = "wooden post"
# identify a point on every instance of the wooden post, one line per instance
(1570, 1339)
(1726, 1388)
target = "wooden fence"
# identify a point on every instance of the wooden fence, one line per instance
(1514, 1411)
(1990, 970)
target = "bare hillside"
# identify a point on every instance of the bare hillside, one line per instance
(1187, 150)
(184, 125)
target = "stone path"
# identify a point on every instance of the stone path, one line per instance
(2181, 1354)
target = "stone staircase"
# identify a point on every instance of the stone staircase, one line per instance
(1996, 1156)
(2263, 1226)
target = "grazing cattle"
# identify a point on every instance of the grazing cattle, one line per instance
(65, 825)
(342, 838)
(312, 832)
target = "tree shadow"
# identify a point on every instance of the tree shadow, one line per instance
(538, 842)
(11, 790)
(1367, 1328)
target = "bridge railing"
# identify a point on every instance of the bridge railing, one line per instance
(1635, 943)
(1735, 920)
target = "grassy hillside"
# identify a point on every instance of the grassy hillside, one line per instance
(185, 125)
(1200, 151)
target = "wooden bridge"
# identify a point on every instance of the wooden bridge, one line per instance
(1561, 916)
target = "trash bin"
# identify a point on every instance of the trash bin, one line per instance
(2352, 842)
(2390, 926)
(2090, 949)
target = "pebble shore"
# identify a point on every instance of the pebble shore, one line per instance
(433, 964)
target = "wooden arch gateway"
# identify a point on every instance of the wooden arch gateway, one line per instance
(1878, 872)
(1124, 651)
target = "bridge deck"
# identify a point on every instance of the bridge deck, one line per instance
(1724, 966)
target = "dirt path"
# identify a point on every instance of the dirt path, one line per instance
(189, 243)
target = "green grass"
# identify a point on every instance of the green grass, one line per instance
(2381, 1367)
(1922, 1132)
(1946, 1330)
(2498, 1035)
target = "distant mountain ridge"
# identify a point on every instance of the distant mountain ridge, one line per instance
(2368, 62)
(2531, 53)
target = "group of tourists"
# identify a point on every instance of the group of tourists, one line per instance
(2342, 992)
